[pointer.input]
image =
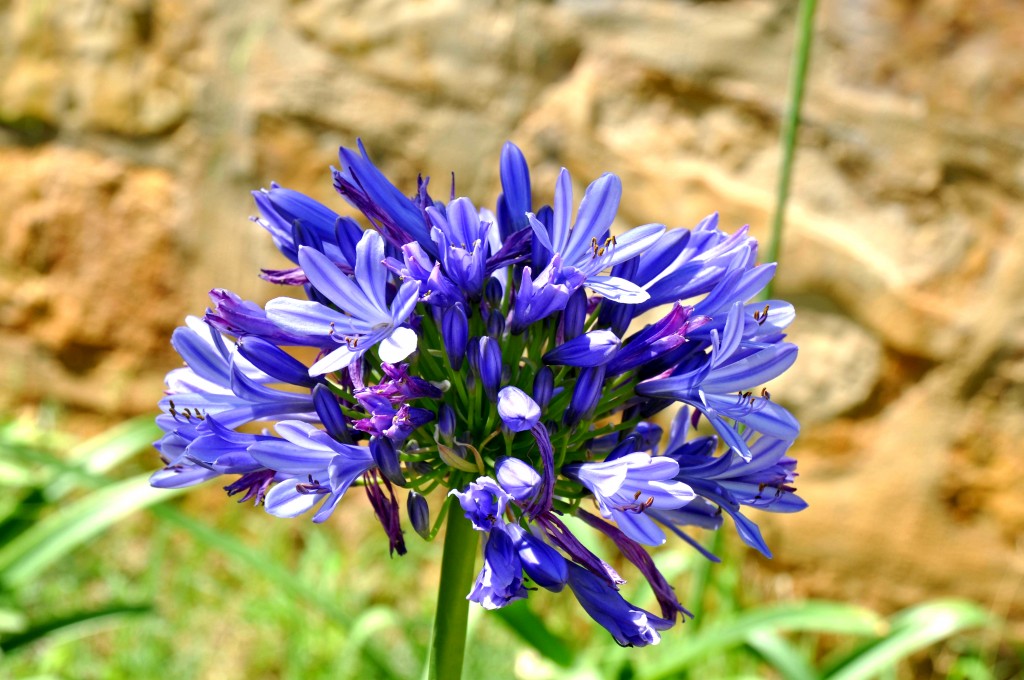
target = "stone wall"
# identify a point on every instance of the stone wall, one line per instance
(132, 130)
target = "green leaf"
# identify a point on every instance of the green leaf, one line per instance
(781, 655)
(257, 564)
(821, 617)
(96, 456)
(77, 624)
(57, 534)
(531, 628)
(12, 620)
(912, 630)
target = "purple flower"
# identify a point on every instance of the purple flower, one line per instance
(314, 467)
(484, 503)
(719, 385)
(626, 487)
(398, 218)
(217, 380)
(364, 320)
(462, 243)
(585, 246)
(501, 579)
(288, 214)
(628, 624)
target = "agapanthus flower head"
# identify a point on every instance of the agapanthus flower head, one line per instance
(497, 354)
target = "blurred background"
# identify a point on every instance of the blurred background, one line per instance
(131, 132)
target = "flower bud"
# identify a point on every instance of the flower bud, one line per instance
(517, 410)
(493, 292)
(490, 367)
(585, 395)
(616, 315)
(541, 562)
(574, 316)
(543, 387)
(455, 332)
(446, 422)
(419, 514)
(329, 412)
(496, 324)
(517, 477)
(596, 348)
(386, 457)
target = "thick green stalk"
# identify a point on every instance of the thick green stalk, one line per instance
(798, 77)
(448, 640)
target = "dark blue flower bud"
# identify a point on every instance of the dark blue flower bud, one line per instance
(329, 412)
(419, 514)
(455, 331)
(574, 316)
(596, 348)
(540, 561)
(585, 395)
(493, 292)
(543, 387)
(539, 255)
(515, 185)
(490, 367)
(386, 457)
(496, 324)
(446, 422)
(274, 361)
(617, 315)
(473, 355)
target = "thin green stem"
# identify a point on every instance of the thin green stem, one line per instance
(790, 125)
(448, 640)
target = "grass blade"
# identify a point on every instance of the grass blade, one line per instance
(98, 455)
(781, 655)
(912, 630)
(78, 624)
(813, 616)
(256, 563)
(534, 632)
(57, 534)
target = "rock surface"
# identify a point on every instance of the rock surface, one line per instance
(131, 132)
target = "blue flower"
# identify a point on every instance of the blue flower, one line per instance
(364, 319)
(449, 313)
(629, 625)
(501, 579)
(719, 384)
(627, 486)
(313, 467)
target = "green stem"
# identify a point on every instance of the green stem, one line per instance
(798, 76)
(448, 640)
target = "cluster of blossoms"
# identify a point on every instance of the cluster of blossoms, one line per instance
(488, 354)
